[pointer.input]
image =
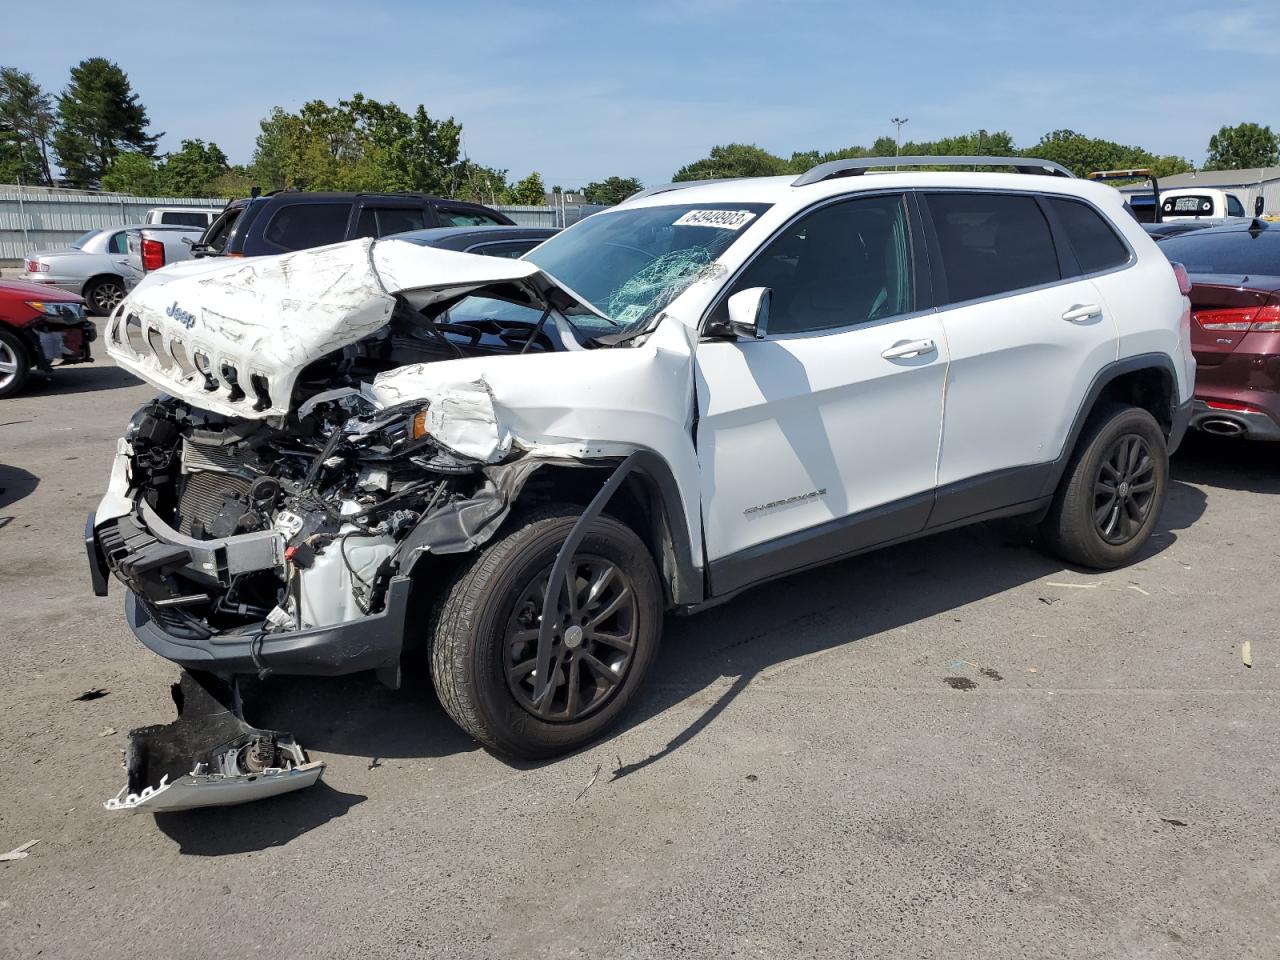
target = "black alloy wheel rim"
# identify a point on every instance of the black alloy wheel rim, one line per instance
(593, 640)
(107, 296)
(1124, 489)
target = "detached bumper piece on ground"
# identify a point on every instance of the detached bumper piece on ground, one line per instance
(209, 756)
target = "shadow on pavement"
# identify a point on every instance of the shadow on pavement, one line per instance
(847, 601)
(15, 484)
(822, 609)
(86, 378)
(218, 831)
(1251, 466)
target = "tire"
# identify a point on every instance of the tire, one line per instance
(104, 295)
(15, 363)
(484, 630)
(1110, 498)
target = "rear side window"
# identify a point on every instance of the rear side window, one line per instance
(992, 243)
(384, 221)
(220, 230)
(464, 217)
(298, 226)
(1095, 244)
(1188, 205)
(1234, 207)
(119, 243)
(185, 218)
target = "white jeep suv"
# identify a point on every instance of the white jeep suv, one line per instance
(706, 387)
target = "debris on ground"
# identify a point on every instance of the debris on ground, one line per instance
(19, 853)
(1174, 823)
(1049, 599)
(1072, 586)
(1246, 653)
(97, 693)
(590, 783)
(107, 732)
(960, 683)
(1134, 586)
(991, 673)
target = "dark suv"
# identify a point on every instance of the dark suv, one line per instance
(292, 220)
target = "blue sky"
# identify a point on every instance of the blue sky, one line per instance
(583, 90)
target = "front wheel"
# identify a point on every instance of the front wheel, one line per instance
(15, 363)
(1111, 496)
(606, 624)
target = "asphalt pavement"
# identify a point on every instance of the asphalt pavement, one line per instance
(955, 747)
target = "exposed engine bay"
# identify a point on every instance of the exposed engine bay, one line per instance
(305, 519)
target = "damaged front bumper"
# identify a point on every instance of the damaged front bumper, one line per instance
(209, 756)
(372, 642)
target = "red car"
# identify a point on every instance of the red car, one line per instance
(38, 326)
(1235, 326)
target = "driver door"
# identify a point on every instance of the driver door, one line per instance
(822, 437)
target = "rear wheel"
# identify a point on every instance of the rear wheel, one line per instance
(15, 363)
(1110, 498)
(104, 295)
(606, 623)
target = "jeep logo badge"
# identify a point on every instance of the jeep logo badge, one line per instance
(188, 320)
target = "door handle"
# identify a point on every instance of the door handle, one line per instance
(907, 349)
(1081, 312)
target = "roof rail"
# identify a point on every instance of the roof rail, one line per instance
(1134, 174)
(679, 185)
(857, 166)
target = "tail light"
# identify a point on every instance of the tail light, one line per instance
(35, 266)
(1240, 318)
(1184, 281)
(1230, 407)
(152, 254)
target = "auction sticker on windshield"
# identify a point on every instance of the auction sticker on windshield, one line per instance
(720, 219)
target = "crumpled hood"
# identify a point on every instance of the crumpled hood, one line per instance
(253, 324)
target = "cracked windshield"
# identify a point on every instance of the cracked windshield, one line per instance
(631, 264)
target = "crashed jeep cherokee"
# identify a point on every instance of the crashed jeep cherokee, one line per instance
(697, 391)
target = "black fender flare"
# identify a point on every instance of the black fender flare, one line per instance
(464, 525)
(1103, 379)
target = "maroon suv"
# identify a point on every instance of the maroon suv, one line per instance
(39, 326)
(1235, 326)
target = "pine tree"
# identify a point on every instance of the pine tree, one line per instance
(100, 116)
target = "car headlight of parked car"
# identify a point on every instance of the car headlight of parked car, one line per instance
(58, 314)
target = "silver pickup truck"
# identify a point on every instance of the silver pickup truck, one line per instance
(155, 245)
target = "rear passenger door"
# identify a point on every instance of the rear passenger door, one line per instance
(1026, 332)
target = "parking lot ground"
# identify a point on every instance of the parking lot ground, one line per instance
(950, 748)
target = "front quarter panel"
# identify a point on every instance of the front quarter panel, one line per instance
(580, 404)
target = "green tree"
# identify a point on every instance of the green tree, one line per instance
(479, 184)
(1244, 145)
(528, 192)
(611, 190)
(99, 117)
(359, 144)
(134, 173)
(193, 170)
(1082, 155)
(733, 160)
(26, 125)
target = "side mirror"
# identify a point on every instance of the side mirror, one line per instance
(749, 312)
(1258, 205)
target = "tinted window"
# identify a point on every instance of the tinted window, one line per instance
(298, 226)
(119, 243)
(1095, 244)
(185, 218)
(1189, 205)
(1234, 207)
(399, 219)
(220, 230)
(846, 263)
(463, 217)
(512, 249)
(992, 243)
(1237, 252)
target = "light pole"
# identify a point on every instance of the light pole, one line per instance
(897, 135)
